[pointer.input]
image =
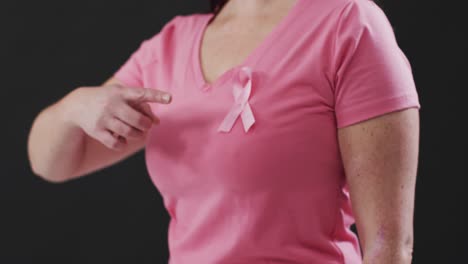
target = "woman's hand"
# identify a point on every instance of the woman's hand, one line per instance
(113, 114)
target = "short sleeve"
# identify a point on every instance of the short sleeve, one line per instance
(372, 74)
(131, 72)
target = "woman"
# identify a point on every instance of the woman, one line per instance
(280, 115)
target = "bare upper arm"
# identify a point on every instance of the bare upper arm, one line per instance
(380, 157)
(96, 156)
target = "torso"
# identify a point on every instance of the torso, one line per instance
(228, 40)
(274, 193)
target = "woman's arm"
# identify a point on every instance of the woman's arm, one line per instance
(77, 135)
(380, 157)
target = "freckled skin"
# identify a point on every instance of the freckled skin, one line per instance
(380, 159)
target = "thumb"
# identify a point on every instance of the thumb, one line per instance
(140, 95)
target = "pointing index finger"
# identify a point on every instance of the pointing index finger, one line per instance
(141, 95)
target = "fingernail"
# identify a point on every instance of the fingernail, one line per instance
(166, 97)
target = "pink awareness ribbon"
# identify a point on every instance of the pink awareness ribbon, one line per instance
(241, 105)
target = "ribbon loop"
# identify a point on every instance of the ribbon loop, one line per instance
(241, 92)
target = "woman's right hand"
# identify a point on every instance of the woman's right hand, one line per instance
(113, 114)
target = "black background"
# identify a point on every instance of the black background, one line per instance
(48, 48)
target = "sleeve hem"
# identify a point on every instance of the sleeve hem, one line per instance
(358, 113)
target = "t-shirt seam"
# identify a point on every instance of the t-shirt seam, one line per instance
(348, 115)
(336, 29)
(369, 103)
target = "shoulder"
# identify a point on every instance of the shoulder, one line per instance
(177, 30)
(362, 14)
(189, 19)
(179, 27)
(361, 7)
(345, 15)
(184, 23)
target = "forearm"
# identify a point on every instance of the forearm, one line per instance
(55, 144)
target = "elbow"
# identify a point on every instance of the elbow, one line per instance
(406, 249)
(393, 250)
(40, 167)
(46, 174)
(45, 171)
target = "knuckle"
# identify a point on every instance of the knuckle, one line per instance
(111, 124)
(113, 144)
(143, 122)
(126, 131)
(109, 142)
(96, 126)
(158, 95)
(118, 129)
(120, 92)
(116, 86)
(139, 94)
(115, 89)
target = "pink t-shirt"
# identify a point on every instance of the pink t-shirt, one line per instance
(249, 166)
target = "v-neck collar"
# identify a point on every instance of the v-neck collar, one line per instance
(255, 53)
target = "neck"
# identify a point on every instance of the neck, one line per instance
(253, 8)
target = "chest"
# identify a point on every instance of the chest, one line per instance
(293, 137)
(294, 131)
(226, 44)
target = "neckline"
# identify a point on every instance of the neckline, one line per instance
(256, 52)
